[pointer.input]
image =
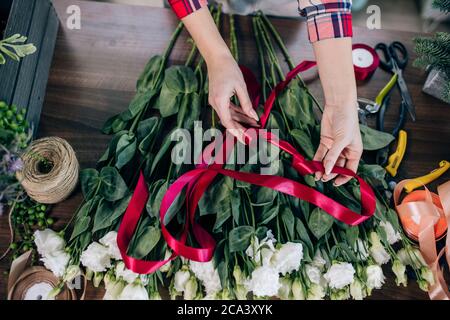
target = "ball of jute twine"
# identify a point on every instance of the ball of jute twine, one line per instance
(50, 170)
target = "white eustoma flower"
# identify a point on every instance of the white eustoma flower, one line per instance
(134, 292)
(125, 274)
(285, 291)
(377, 251)
(357, 290)
(264, 282)
(110, 241)
(166, 267)
(318, 260)
(96, 257)
(113, 290)
(342, 294)
(375, 277)
(71, 272)
(181, 278)
(315, 292)
(48, 242)
(191, 288)
(297, 290)
(411, 256)
(339, 275)
(314, 274)
(427, 275)
(393, 236)
(361, 249)
(399, 270)
(287, 258)
(56, 262)
(261, 252)
(208, 275)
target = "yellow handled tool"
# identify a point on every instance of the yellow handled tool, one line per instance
(396, 158)
(423, 180)
(380, 97)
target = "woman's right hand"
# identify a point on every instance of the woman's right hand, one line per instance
(225, 81)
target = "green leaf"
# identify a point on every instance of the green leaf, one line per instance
(81, 226)
(114, 124)
(151, 71)
(374, 139)
(289, 221)
(178, 81)
(320, 222)
(264, 197)
(146, 241)
(303, 140)
(89, 179)
(162, 151)
(374, 174)
(240, 237)
(156, 194)
(235, 205)
(146, 133)
(352, 234)
(193, 111)
(392, 217)
(168, 103)
(125, 149)
(303, 235)
(139, 102)
(269, 212)
(107, 213)
(223, 214)
(113, 186)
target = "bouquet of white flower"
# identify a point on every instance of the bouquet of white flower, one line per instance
(268, 244)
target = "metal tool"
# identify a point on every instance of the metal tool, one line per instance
(423, 180)
(394, 59)
(396, 158)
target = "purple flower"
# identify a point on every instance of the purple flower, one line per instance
(15, 165)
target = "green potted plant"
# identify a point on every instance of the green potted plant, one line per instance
(434, 54)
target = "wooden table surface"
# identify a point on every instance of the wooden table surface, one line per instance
(95, 69)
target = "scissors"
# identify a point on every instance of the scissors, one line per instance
(395, 59)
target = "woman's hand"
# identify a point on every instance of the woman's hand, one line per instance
(340, 141)
(225, 77)
(225, 81)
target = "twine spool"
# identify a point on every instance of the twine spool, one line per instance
(35, 283)
(50, 170)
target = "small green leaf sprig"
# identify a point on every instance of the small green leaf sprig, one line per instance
(15, 48)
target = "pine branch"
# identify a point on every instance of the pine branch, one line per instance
(443, 5)
(433, 51)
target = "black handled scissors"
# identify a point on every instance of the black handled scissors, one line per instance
(395, 59)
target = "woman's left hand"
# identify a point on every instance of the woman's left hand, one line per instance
(340, 141)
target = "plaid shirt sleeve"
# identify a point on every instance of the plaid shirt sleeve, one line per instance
(327, 18)
(182, 8)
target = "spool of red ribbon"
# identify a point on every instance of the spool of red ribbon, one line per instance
(365, 61)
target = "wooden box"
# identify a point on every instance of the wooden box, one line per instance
(24, 83)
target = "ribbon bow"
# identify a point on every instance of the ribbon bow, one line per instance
(197, 181)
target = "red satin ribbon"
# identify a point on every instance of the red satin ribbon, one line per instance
(197, 181)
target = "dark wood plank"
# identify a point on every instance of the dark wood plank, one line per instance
(94, 72)
(40, 77)
(27, 70)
